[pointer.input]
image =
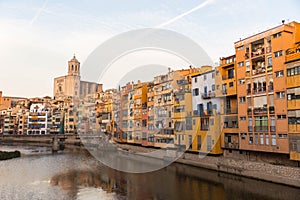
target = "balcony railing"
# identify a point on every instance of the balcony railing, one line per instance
(261, 128)
(225, 77)
(198, 113)
(259, 90)
(261, 110)
(204, 127)
(270, 88)
(258, 51)
(249, 91)
(230, 111)
(208, 95)
(250, 128)
(232, 145)
(272, 128)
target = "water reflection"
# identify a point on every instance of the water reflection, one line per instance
(174, 182)
(74, 174)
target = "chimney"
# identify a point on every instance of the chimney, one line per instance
(283, 21)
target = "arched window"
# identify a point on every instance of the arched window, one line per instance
(72, 67)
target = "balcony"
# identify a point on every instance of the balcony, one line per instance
(259, 90)
(208, 95)
(261, 128)
(249, 111)
(230, 111)
(224, 91)
(204, 127)
(268, 49)
(250, 128)
(198, 113)
(258, 51)
(272, 128)
(248, 91)
(271, 109)
(232, 145)
(260, 110)
(292, 54)
(270, 88)
(225, 77)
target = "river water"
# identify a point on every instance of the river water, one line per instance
(74, 174)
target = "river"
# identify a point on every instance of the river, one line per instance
(74, 174)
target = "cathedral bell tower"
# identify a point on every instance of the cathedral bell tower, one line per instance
(74, 67)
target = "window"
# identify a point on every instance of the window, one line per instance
(270, 61)
(280, 95)
(281, 116)
(242, 81)
(231, 73)
(196, 92)
(195, 79)
(199, 142)
(277, 35)
(213, 75)
(243, 118)
(243, 136)
(212, 122)
(217, 72)
(204, 77)
(242, 99)
(213, 87)
(188, 122)
(256, 138)
(267, 139)
(250, 138)
(278, 53)
(241, 64)
(282, 135)
(279, 73)
(261, 138)
(240, 48)
(293, 71)
(273, 139)
(231, 84)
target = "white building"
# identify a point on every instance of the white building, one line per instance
(38, 120)
(203, 87)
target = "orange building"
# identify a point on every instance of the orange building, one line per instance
(292, 60)
(261, 92)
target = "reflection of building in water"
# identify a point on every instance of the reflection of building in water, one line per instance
(73, 179)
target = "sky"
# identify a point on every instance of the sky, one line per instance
(38, 37)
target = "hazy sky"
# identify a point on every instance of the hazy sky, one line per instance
(37, 38)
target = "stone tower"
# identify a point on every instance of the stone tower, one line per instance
(74, 67)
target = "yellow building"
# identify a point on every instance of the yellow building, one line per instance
(140, 102)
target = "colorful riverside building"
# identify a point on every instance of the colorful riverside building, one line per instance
(105, 101)
(261, 92)
(122, 130)
(139, 106)
(170, 112)
(149, 140)
(292, 61)
(205, 137)
(226, 91)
